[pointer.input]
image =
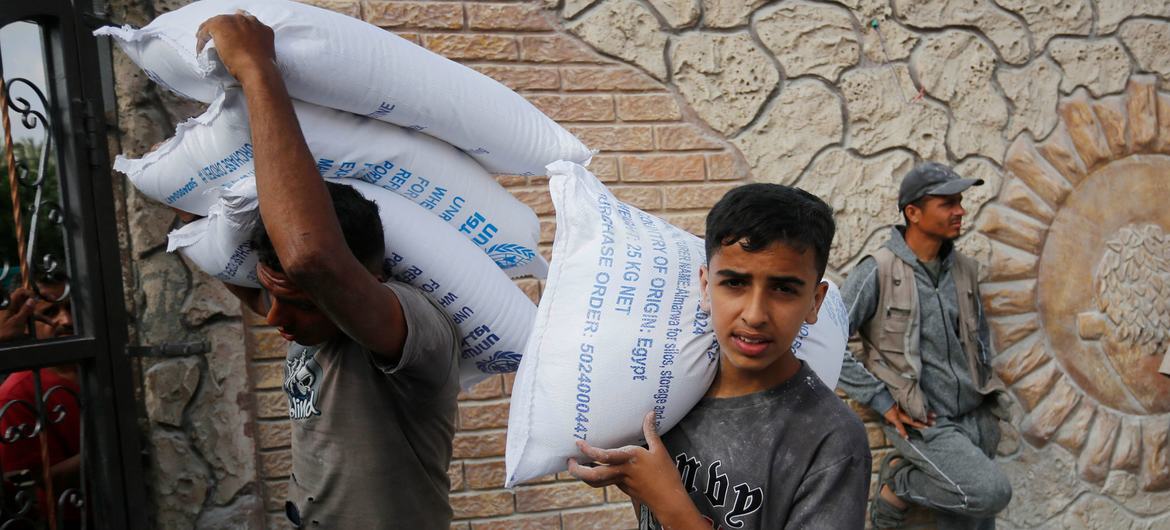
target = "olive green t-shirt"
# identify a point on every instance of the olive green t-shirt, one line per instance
(371, 442)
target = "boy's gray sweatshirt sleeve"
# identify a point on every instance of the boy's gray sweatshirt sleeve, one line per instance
(860, 294)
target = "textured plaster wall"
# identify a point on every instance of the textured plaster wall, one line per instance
(1058, 105)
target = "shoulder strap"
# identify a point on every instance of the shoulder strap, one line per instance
(966, 272)
(894, 280)
(884, 258)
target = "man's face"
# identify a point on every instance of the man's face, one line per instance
(940, 216)
(758, 301)
(294, 314)
(53, 318)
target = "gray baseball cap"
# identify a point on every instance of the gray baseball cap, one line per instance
(932, 178)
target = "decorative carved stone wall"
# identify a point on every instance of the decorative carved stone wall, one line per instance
(1076, 296)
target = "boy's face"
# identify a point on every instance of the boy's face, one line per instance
(758, 301)
(290, 309)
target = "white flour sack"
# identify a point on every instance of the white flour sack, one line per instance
(214, 150)
(619, 331)
(220, 244)
(493, 315)
(343, 63)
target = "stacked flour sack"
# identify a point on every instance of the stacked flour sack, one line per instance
(416, 133)
(621, 331)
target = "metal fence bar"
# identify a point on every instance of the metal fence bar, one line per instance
(43, 443)
(73, 145)
(13, 181)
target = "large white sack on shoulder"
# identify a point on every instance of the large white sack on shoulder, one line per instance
(493, 315)
(214, 150)
(823, 345)
(221, 243)
(619, 331)
(207, 154)
(340, 62)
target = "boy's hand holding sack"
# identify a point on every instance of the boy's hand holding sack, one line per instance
(620, 331)
(335, 61)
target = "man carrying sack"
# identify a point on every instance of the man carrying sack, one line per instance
(372, 366)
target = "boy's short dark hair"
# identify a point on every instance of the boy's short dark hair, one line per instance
(360, 225)
(762, 214)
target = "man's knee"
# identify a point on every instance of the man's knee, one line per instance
(991, 494)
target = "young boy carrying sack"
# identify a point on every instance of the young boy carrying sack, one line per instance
(769, 446)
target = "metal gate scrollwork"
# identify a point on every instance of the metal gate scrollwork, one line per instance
(69, 451)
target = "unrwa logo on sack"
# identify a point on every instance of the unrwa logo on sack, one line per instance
(508, 255)
(501, 362)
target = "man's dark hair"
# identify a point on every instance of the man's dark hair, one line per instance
(758, 215)
(360, 225)
(920, 203)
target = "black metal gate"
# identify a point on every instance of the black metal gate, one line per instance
(69, 447)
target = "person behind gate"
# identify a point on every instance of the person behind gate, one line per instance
(924, 363)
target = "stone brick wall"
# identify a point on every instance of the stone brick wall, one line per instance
(1060, 107)
(200, 457)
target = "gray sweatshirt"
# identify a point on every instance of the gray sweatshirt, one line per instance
(790, 457)
(947, 382)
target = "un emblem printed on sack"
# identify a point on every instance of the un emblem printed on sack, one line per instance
(501, 362)
(508, 255)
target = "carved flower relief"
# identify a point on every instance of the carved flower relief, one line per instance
(1078, 293)
(1133, 278)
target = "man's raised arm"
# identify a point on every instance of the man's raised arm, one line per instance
(294, 201)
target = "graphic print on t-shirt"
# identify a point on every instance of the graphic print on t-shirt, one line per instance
(736, 502)
(302, 383)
